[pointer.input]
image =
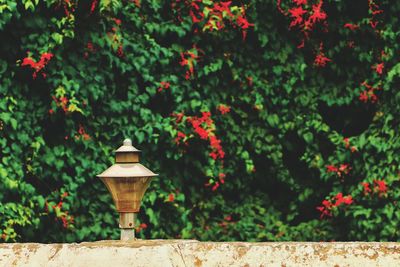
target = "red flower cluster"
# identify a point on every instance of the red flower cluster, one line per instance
(216, 185)
(82, 133)
(61, 102)
(366, 187)
(227, 220)
(67, 219)
(214, 15)
(217, 151)
(180, 136)
(163, 85)
(63, 216)
(116, 38)
(368, 94)
(189, 59)
(37, 66)
(297, 16)
(204, 127)
(201, 125)
(348, 146)
(304, 19)
(380, 187)
(224, 109)
(243, 23)
(89, 49)
(340, 199)
(374, 11)
(328, 205)
(141, 227)
(342, 170)
(321, 60)
(178, 117)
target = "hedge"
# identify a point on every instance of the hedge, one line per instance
(266, 120)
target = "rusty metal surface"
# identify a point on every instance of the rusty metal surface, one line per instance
(194, 253)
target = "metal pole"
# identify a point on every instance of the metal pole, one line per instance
(127, 225)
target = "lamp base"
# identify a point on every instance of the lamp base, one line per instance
(127, 234)
(127, 225)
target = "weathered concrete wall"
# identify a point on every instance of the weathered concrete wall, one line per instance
(193, 253)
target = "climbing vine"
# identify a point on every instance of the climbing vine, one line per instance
(266, 120)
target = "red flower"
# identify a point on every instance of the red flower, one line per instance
(179, 137)
(318, 14)
(188, 59)
(297, 16)
(206, 115)
(90, 46)
(37, 66)
(342, 200)
(223, 7)
(215, 187)
(244, 24)
(201, 132)
(381, 186)
(366, 187)
(374, 8)
(93, 6)
(141, 226)
(331, 168)
(373, 23)
(171, 197)
(342, 169)
(363, 96)
(163, 85)
(379, 68)
(351, 26)
(224, 109)
(82, 133)
(321, 60)
(64, 221)
(327, 205)
(325, 209)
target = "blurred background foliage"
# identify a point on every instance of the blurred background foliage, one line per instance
(266, 120)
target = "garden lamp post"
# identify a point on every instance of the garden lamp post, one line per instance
(127, 181)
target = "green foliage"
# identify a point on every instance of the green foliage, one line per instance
(76, 82)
